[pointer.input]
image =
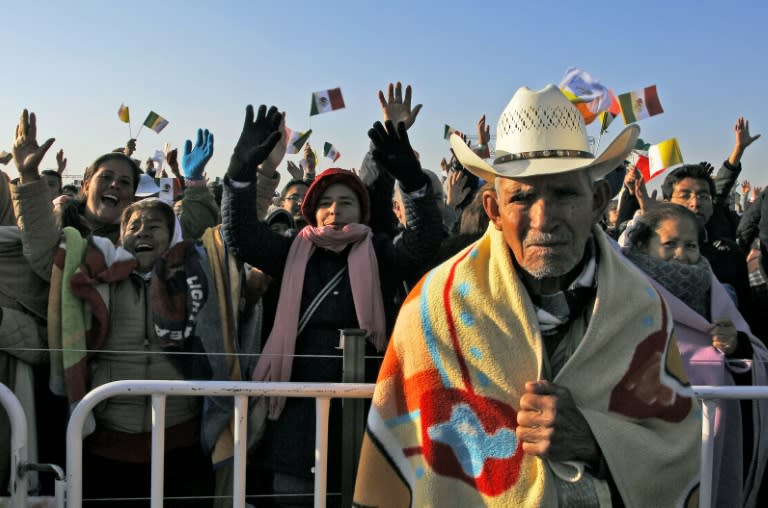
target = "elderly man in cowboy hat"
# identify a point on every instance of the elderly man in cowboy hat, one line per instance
(535, 367)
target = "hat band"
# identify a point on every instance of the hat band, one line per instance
(543, 154)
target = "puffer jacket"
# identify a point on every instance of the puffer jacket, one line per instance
(289, 442)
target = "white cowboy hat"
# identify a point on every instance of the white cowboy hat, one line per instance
(542, 133)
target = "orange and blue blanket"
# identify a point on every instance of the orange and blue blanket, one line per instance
(441, 430)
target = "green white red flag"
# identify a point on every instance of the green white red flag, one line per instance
(325, 101)
(640, 104)
(330, 151)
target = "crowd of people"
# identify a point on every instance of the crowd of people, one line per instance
(533, 320)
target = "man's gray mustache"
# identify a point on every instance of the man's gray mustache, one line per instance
(546, 238)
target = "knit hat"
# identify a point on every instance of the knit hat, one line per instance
(330, 177)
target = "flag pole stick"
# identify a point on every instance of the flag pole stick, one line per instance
(597, 145)
(139, 132)
(130, 134)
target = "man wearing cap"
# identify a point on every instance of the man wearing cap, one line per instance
(535, 367)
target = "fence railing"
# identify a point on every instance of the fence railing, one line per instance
(241, 391)
(709, 395)
(160, 390)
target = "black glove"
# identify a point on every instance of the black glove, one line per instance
(393, 151)
(255, 144)
(708, 167)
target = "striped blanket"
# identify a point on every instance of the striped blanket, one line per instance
(441, 431)
(78, 306)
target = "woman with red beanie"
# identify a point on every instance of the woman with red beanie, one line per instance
(335, 273)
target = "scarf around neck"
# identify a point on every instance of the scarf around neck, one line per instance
(690, 283)
(276, 361)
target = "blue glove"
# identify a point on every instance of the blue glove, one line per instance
(194, 160)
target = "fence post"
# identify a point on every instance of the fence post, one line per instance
(353, 411)
(19, 457)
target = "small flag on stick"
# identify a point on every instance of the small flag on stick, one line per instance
(652, 160)
(640, 104)
(296, 140)
(448, 130)
(124, 114)
(330, 151)
(325, 101)
(588, 95)
(663, 156)
(155, 122)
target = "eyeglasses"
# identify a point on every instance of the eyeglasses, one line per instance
(295, 198)
(686, 195)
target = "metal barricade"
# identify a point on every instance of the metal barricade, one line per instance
(709, 395)
(160, 390)
(20, 464)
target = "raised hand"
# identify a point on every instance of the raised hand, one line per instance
(311, 158)
(483, 138)
(172, 158)
(630, 177)
(61, 162)
(741, 129)
(193, 160)
(396, 108)
(455, 188)
(257, 139)
(5, 157)
(745, 187)
(394, 152)
(275, 157)
(26, 152)
(295, 171)
(645, 201)
(130, 147)
(707, 166)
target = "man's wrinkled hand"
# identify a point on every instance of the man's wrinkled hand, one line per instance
(550, 425)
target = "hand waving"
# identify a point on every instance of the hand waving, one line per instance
(26, 152)
(193, 161)
(393, 151)
(741, 129)
(61, 162)
(295, 171)
(257, 140)
(395, 108)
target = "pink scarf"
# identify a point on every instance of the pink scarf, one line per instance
(276, 360)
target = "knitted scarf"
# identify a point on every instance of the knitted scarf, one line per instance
(441, 430)
(690, 283)
(276, 361)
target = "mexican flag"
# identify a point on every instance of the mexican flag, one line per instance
(448, 130)
(330, 151)
(640, 104)
(325, 101)
(296, 140)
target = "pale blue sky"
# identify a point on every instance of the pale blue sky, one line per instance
(199, 63)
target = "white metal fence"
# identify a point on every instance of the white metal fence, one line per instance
(240, 391)
(159, 390)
